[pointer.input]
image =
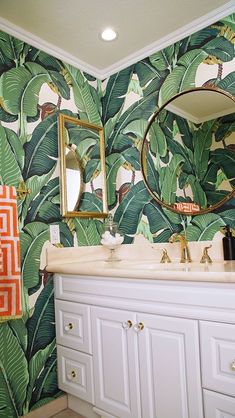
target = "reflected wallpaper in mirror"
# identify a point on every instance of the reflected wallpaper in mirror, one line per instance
(82, 162)
(188, 154)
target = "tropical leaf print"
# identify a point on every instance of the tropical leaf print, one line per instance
(14, 374)
(32, 238)
(124, 103)
(83, 96)
(46, 384)
(41, 325)
(20, 88)
(142, 109)
(88, 232)
(42, 208)
(41, 152)
(10, 164)
(129, 212)
(11, 48)
(182, 77)
(36, 366)
(115, 92)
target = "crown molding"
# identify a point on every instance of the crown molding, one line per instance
(51, 49)
(152, 48)
(173, 37)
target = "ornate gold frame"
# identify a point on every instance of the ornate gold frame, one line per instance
(61, 135)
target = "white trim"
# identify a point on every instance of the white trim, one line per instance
(162, 43)
(51, 49)
(192, 118)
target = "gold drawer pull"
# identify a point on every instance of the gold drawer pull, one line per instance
(127, 324)
(68, 327)
(232, 365)
(72, 375)
(138, 327)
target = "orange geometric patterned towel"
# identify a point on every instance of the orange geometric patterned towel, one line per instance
(10, 283)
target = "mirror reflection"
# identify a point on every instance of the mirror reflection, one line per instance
(188, 151)
(82, 162)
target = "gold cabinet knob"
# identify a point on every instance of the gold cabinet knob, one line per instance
(232, 365)
(138, 327)
(127, 324)
(71, 375)
(68, 326)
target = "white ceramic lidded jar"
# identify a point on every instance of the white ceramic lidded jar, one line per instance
(111, 237)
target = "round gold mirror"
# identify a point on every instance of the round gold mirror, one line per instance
(188, 151)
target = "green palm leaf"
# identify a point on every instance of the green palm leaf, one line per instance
(129, 212)
(10, 46)
(34, 184)
(115, 93)
(87, 231)
(158, 219)
(14, 375)
(228, 83)
(36, 366)
(204, 227)
(162, 60)
(41, 152)
(144, 108)
(20, 332)
(41, 325)
(16, 147)
(220, 48)
(32, 238)
(202, 140)
(21, 86)
(146, 73)
(90, 203)
(82, 96)
(10, 167)
(182, 76)
(42, 208)
(169, 178)
(46, 385)
(113, 163)
(226, 160)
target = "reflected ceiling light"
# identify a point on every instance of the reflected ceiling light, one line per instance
(108, 34)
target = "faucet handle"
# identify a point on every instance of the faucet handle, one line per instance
(165, 257)
(205, 256)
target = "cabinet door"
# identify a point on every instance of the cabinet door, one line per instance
(218, 356)
(169, 367)
(115, 354)
(218, 405)
(73, 325)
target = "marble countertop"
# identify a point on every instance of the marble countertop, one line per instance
(137, 262)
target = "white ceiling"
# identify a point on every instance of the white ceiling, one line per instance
(69, 29)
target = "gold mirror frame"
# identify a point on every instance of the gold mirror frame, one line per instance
(146, 145)
(80, 161)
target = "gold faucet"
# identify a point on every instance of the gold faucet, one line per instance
(185, 253)
(205, 256)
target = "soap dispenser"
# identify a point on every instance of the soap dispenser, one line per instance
(228, 244)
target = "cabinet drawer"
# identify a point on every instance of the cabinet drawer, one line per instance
(218, 356)
(218, 405)
(75, 373)
(73, 325)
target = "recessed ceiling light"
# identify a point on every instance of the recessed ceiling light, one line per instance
(108, 34)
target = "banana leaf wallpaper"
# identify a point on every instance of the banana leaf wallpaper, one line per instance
(34, 88)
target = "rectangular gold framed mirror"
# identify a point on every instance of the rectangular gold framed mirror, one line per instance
(82, 166)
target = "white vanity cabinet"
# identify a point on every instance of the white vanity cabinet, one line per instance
(218, 368)
(133, 348)
(143, 365)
